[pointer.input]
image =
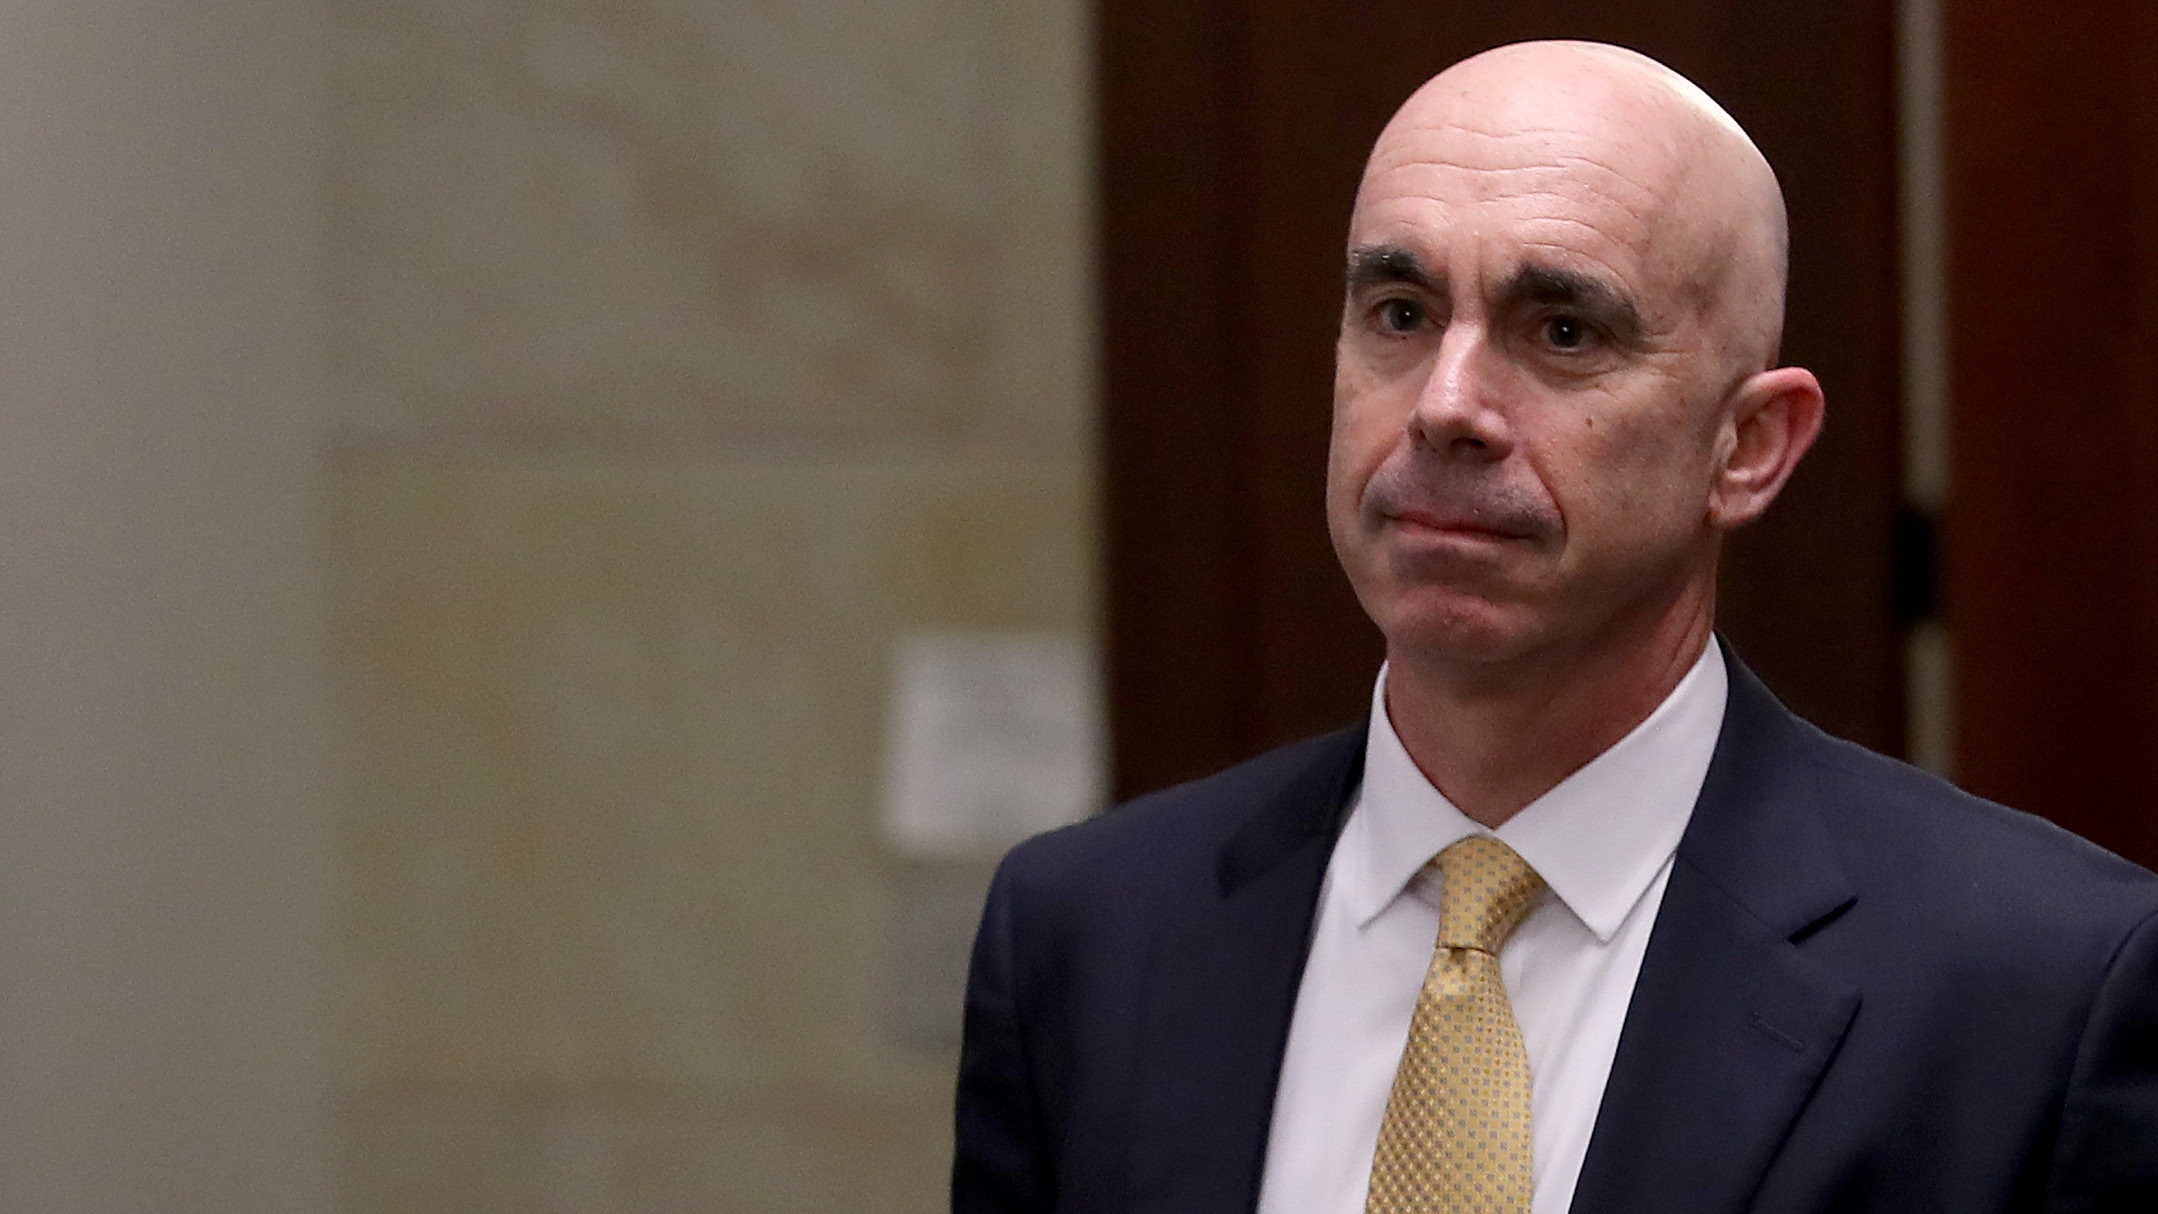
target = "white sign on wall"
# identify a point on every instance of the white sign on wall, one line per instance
(992, 737)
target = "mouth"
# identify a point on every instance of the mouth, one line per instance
(1438, 511)
(1455, 526)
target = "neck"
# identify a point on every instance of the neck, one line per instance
(1494, 736)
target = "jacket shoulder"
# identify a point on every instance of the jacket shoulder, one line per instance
(1913, 831)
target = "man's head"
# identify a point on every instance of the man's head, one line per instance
(1554, 390)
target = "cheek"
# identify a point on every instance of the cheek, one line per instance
(1350, 463)
(1660, 486)
(1622, 482)
(1366, 426)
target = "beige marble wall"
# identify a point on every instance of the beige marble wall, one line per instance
(685, 356)
(163, 822)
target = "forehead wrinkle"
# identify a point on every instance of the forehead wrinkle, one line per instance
(1438, 144)
(1581, 166)
(1582, 190)
(1642, 126)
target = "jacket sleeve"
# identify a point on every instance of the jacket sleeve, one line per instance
(2106, 1157)
(1001, 1163)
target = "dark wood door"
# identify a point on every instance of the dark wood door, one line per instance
(2052, 523)
(1231, 138)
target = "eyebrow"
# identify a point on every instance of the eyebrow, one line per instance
(1375, 265)
(1606, 305)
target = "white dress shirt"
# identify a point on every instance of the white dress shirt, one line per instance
(1602, 840)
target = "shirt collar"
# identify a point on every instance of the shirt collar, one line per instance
(1597, 839)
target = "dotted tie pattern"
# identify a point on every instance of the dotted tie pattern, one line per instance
(1456, 1135)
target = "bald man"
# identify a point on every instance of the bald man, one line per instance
(1581, 919)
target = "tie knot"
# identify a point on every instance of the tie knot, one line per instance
(1486, 890)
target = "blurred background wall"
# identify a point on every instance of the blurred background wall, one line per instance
(164, 859)
(497, 491)
(685, 359)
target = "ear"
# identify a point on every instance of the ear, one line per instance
(1773, 419)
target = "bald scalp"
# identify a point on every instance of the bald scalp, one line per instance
(1718, 224)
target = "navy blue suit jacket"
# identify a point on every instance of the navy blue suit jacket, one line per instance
(1865, 991)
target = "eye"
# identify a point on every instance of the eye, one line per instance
(1566, 332)
(1400, 315)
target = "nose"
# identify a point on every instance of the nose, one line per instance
(1458, 414)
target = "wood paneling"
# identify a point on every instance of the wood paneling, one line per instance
(1232, 135)
(2052, 529)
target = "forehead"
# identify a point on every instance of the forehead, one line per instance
(1490, 191)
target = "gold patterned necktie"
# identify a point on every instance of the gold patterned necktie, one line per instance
(1456, 1135)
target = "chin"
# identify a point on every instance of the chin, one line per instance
(1455, 628)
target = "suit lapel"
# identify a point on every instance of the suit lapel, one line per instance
(1219, 997)
(1731, 1026)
